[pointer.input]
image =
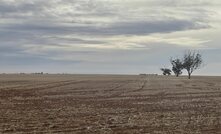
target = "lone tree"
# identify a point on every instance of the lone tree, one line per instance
(191, 61)
(166, 71)
(177, 66)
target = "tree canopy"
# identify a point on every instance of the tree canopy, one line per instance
(191, 61)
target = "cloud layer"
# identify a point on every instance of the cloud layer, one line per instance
(105, 35)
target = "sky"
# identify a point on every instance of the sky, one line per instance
(107, 36)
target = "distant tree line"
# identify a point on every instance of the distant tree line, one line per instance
(191, 61)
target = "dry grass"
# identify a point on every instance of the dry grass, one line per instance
(109, 104)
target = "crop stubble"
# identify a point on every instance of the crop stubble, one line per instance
(109, 104)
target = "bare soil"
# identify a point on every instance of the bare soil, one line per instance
(109, 104)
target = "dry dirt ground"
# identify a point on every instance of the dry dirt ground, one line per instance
(109, 104)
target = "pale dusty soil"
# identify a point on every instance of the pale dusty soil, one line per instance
(109, 104)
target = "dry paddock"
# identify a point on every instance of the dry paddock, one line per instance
(106, 104)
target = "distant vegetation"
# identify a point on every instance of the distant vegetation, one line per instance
(177, 66)
(166, 71)
(191, 61)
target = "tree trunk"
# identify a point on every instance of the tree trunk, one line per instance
(189, 75)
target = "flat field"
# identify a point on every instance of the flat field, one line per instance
(109, 104)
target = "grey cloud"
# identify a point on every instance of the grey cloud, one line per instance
(53, 23)
(121, 28)
(17, 9)
(144, 28)
(76, 40)
(39, 23)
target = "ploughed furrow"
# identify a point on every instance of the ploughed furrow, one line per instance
(142, 85)
(36, 85)
(126, 88)
(34, 90)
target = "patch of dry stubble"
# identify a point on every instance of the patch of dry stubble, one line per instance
(109, 104)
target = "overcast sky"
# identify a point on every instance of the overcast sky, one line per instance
(107, 36)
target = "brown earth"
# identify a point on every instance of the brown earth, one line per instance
(109, 104)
